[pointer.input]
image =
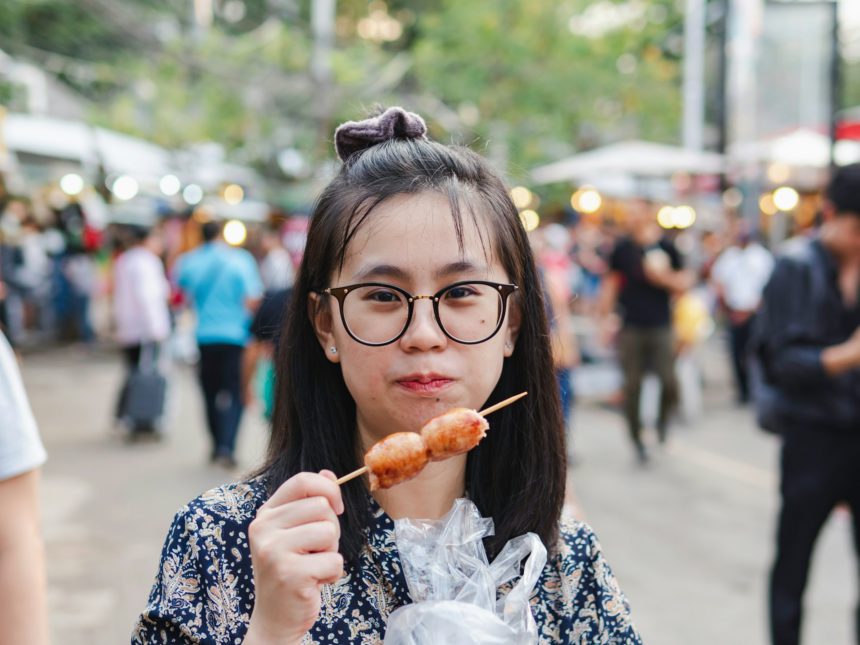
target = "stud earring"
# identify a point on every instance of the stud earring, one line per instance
(333, 350)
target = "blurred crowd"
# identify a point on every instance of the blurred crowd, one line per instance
(619, 291)
(63, 280)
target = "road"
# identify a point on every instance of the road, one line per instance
(689, 536)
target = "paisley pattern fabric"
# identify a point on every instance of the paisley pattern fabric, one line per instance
(204, 588)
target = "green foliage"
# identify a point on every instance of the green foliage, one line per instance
(510, 75)
(519, 63)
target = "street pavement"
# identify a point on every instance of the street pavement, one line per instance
(690, 536)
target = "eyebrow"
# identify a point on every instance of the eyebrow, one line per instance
(392, 271)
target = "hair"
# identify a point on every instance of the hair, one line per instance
(138, 234)
(844, 190)
(211, 230)
(516, 475)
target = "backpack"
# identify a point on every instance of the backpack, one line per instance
(770, 402)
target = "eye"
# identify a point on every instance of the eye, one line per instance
(384, 296)
(460, 292)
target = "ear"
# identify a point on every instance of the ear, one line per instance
(512, 330)
(828, 210)
(320, 314)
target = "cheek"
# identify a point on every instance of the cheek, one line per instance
(483, 366)
(364, 370)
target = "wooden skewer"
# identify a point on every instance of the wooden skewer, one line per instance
(483, 413)
(352, 475)
(502, 404)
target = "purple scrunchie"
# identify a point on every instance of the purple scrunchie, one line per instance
(394, 123)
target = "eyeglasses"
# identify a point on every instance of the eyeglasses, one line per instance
(468, 312)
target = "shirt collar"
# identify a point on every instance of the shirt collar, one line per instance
(826, 257)
(383, 550)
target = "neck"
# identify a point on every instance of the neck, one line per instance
(829, 236)
(646, 235)
(428, 496)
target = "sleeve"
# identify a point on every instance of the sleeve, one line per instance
(270, 316)
(616, 259)
(174, 614)
(180, 274)
(599, 607)
(21, 448)
(674, 255)
(718, 270)
(252, 283)
(792, 359)
(153, 294)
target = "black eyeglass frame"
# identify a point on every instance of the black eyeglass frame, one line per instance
(340, 293)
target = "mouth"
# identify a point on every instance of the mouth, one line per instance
(424, 383)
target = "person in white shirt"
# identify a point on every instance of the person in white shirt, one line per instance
(23, 612)
(739, 277)
(276, 267)
(141, 295)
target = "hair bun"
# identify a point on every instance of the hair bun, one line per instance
(394, 123)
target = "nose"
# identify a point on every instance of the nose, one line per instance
(423, 332)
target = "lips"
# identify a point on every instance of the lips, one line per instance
(424, 383)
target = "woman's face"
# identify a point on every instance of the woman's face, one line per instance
(409, 241)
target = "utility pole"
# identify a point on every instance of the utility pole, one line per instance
(693, 134)
(835, 82)
(322, 26)
(722, 115)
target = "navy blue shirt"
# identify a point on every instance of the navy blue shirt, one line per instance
(204, 588)
(802, 314)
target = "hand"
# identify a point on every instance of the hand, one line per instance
(607, 330)
(248, 397)
(294, 541)
(853, 345)
(657, 277)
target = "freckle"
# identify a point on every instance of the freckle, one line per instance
(437, 400)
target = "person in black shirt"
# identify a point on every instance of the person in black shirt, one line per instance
(265, 334)
(645, 272)
(807, 340)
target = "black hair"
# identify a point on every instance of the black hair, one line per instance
(138, 234)
(844, 190)
(516, 475)
(211, 230)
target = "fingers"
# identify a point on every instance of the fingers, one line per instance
(308, 485)
(327, 568)
(303, 511)
(315, 537)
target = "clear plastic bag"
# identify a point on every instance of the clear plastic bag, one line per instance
(455, 588)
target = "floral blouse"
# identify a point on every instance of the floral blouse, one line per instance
(204, 589)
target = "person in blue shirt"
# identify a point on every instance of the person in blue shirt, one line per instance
(224, 287)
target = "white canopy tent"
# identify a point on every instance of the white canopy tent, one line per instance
(75, 140)
(801, 148)
(632, 158)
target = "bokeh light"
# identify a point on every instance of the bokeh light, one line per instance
(786, 198)
(766, 204)
(530, 219)
(235, 232)
(72, 184)
(192, 194)
(125, 187)
(233, 194)
(586, 200)
(521, 196)
(169, 185)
